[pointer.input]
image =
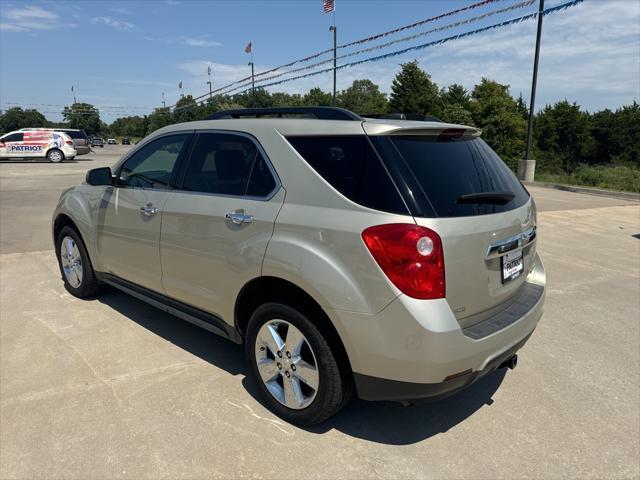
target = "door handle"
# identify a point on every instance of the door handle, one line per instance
(238, 218)
(149, 210)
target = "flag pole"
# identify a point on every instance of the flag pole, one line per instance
(209, 82)
(527, 167)
(253, 81)
(335, 46)
(164, 105)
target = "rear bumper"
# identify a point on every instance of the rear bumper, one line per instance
(82, 150)
(409, 349)
(375, 388)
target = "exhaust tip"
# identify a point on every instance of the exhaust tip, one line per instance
(513, 362)
(510, 363)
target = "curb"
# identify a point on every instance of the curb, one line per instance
(631, 196)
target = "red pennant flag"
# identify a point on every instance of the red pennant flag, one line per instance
(247, 49)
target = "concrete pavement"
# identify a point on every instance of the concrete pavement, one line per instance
(113, 388)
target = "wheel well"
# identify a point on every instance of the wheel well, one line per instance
(272, 289)
(60, 222)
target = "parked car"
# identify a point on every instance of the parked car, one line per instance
(400, 265)
(80, 139)
(97, 142)
(111, 141)
(32, 144)
(125, 141)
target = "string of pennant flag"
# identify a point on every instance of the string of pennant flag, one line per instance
(371, 38)
(513, 21)
(460, 23)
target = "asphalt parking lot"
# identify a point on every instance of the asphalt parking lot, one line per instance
(113, 388)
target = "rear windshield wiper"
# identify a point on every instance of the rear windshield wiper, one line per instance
(491, 198)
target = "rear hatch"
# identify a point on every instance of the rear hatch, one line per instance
(484, 216)
(80, 140)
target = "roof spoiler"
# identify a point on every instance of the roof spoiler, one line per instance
(319, 113)
(417, 117)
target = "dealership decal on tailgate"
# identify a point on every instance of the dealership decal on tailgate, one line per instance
(512, 266)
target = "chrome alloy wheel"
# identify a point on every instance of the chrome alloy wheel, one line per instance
(55, 156)
(287, 364)
(71, 261)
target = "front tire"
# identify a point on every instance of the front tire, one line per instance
(55, 156)
(294, 367)
(75, 265)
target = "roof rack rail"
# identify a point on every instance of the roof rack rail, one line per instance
(405, 116)
(320, 113)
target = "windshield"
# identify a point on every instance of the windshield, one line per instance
(452, 173)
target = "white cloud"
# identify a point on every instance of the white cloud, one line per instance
(114, 23)
(29, 18)
(199, 41)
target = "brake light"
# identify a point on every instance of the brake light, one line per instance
(451, 134)
(411, 257)
(69, 142)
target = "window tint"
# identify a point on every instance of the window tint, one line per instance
(351, 166)
(151, 166)
(223, 163)
(261, 182)
(14, 137)
(76, 134)
(448, 169)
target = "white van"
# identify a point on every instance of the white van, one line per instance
(53, 145)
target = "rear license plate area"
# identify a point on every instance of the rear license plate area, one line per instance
(512, 266)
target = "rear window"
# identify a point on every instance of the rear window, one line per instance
(352, 167)
(76, 134)
(446, 170)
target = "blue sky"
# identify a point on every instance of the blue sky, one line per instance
(121, 55)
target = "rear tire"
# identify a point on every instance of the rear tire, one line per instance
(296, 371)
(75, 265)
(55, 156)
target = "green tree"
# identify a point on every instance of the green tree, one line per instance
(160, 117)
(456, 113)
(282, 99)
(521, 107)
(412, 91)
(16, 118)
(186, 110)
(259, 98)
(456, 94)
(363, 97)
(84, 116)
(495, 112)
(563, 136)
(317, 98)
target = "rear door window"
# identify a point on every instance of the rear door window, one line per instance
(227, 164)
(352, 167)
(447, 170)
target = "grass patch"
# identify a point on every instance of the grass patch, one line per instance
(620, 178)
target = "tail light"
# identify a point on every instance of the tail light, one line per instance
(69, 142)
(411, 257)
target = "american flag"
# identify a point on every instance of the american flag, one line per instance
(180, 85)
(36, 137)
(328, 5)
(247, 49)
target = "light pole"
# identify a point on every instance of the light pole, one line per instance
(333, 29)
(527, 167)
(253, 83)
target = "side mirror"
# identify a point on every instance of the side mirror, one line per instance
(99, 176)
